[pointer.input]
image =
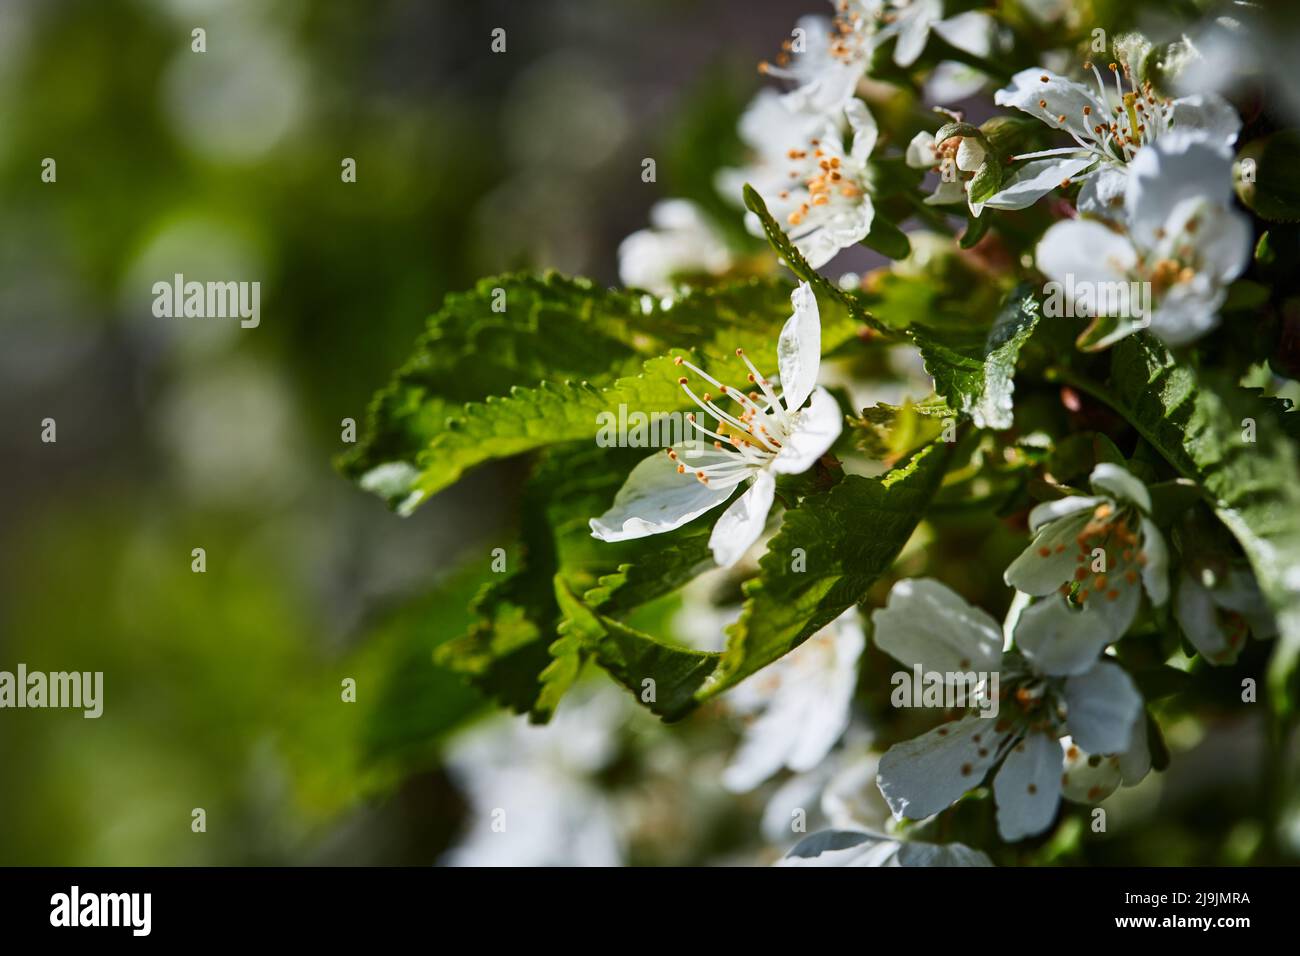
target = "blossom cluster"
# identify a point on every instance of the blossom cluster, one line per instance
(1105, 163)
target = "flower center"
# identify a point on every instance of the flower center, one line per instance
(1110, 556)
(830, 184)
(750, 436)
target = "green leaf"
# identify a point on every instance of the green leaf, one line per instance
(986, 182)
(850, 536)
(677, 674)
(797, 264)
(783, 607)
(887, 239)
(1202, 426)
(978, 378)
(421, 440)
(681, 557)
(506, 330)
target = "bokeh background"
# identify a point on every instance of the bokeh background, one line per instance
(222, 688)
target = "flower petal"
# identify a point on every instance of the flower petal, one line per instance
(1206, 113)
(655, 498)
(1084, 252)
(922, 776)
(743, 522)
(916, 853)
(1034, 180)
(1176, 167)
(1198, 616)
(814, 432)
(1059, 640)
(1103, 706)
(865, 131)
(1117, 482)
(1135, 763)
(916, 20)
(1155, 575)
(1028, 787)
(1063, 98)
(924, 622)
(1088, 778)
(841, 848)
(1049, 511)
(1103, 193)
(1050, 560)
(799, 349)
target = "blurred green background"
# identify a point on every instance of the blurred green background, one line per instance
(222, 689)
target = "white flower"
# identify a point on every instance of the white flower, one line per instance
(836, 55)
(800, 705)
(910, 21)
(1216, 609)
(532, 798)
(765, 435)
(680, 241)
(950, 81)
(1103, 549)
(864, 848)
(1099, 707)
(956, 155)
(1185, 243)
(1109, 128)
(770, 127)
(823, 201)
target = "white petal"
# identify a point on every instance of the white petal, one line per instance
(865, 131)
(1176, 167)
(915, 30)
(743, 522)
(1049, 511)
(922, 776)
(845, 227)
(1206, 113)
(828, 92)
(815, 430)
(1119, 483)
(655, 498)
(1051, 559)
(1198, 616)
(916, 853)
(1155, 575)
(799, 349)
(1188, 311)
(841, 848)
(1063, 97)
(1059, 640)
(1102, 707)
(801, 792)
(1223, 242)
(1086, 252)
(1135, 763)
(1034, 180)
(1114, 616)
(1028, 787)
(925, 622)
(920, 151)
(1103, 193)
(1088, 778)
